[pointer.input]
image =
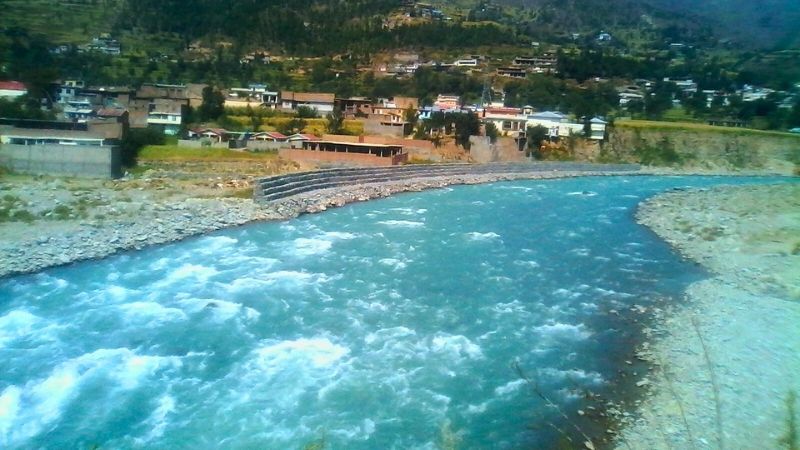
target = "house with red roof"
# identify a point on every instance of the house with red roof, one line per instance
(12, 89)
(269, 136)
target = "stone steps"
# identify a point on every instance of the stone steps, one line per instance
(283, 186)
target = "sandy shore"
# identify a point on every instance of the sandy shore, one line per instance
(728, 358)
(77, 220)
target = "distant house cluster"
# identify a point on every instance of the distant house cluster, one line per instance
(159, 106)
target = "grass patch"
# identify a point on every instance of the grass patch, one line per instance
(246, 193)
(175, 153)
(701, 127)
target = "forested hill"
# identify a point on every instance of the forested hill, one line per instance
(302, 26)
(751, 24)
(295, 24)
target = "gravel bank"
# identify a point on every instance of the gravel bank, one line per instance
(133, 218)
(745, 320)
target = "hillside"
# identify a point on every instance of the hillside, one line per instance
(762, 24)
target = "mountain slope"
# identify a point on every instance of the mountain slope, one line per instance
(754, 24)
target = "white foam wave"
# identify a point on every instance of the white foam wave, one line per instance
(402, 223)
(360, 432)
(566, 293)
(386, 334)
(150, 312)
(318, 352)
(33, 407)
(582, 193)
(527, 263)
(340, 235)
(478, 409)
(580, 251)
(455, 346)
(222, 310)
(396, 264)
(573, 375)
(157, 422)
(476, 236)
(188, 271)
(510, 387)
(409, 211)
(310, 247)
(16, 324)
(212, 244)
(564, 331)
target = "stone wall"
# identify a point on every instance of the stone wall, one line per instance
(71, 160)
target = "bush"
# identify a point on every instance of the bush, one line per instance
(135, 140)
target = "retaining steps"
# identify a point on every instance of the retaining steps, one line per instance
(284, 186)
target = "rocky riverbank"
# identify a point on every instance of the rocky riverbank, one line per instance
(725, 362)
(55, 222)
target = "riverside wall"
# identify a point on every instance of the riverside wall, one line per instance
(71, 160)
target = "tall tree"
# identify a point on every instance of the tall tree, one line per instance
(213, 105)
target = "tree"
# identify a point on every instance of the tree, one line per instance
(491, 132)
(535, 136)
(410, 117)
(335, 123)
(306, 112)
(660, 100)
(213, 105)
(136, 139)
(295, 125)
(466, 125)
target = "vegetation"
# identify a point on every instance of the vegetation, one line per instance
(535, 136)
(135, 140)
(699, 127)
(661, 154)
(791, 440)
(175, 153)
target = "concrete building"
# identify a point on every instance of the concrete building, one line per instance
(61, 148)
(255, 95)
(322, 102)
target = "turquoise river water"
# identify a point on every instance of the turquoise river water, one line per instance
(395, 323)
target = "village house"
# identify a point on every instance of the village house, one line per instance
(255, 95)
(79, 109)
(512, 72)
(514, 122)
(104, 44)
(323, 103)
(211, 134)
(166, 115)
(508, 121)
(12, 89)
(354, 107)
(269, 136)
(546, 63)
(68, 90)
(447, 101)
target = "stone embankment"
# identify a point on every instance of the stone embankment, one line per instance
(283, 186)
(26, 248)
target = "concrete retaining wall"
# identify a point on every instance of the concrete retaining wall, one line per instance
(72, 160)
